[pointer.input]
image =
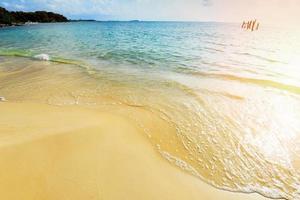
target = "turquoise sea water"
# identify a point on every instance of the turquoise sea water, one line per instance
(232, 95)
(268, 54)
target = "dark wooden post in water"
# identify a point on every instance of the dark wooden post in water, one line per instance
(253, 24)
(243, 25)
(249, 25)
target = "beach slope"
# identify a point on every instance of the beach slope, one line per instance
(50, 152)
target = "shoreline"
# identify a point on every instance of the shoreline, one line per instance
(11, 25)
(28, 24)
(30, 85)
(45, 135)
(86, 156)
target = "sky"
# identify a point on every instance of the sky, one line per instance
(267, 11)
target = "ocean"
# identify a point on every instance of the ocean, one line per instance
(230, 97)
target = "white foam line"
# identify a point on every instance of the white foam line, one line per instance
(43, 57)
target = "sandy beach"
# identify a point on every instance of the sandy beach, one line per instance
(149, 100)
(49, 152)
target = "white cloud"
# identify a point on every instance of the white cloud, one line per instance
(5, 4)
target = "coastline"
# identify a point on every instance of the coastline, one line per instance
(11, 25)
(19, 18)
(27, 24)
(50, 150)
(203, 127)
(80, 153)
(129, 109)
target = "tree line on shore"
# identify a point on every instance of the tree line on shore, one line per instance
(20, 17)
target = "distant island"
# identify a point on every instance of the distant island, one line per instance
(17, 18)
(82, 20)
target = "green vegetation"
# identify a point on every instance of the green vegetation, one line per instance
(19, 17)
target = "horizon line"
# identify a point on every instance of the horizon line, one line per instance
(137, 20)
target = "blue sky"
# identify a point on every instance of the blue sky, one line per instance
(112, 9)
(183, 10)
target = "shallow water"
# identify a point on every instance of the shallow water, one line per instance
(230, 97)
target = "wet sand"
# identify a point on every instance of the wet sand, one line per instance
(50, 152)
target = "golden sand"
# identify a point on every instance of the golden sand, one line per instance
(71, 132)
(51, 153)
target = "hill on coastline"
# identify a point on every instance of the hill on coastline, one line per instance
(19, 17)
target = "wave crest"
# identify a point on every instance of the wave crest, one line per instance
(43, 57)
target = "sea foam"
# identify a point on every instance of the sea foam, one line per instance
(43, 57)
